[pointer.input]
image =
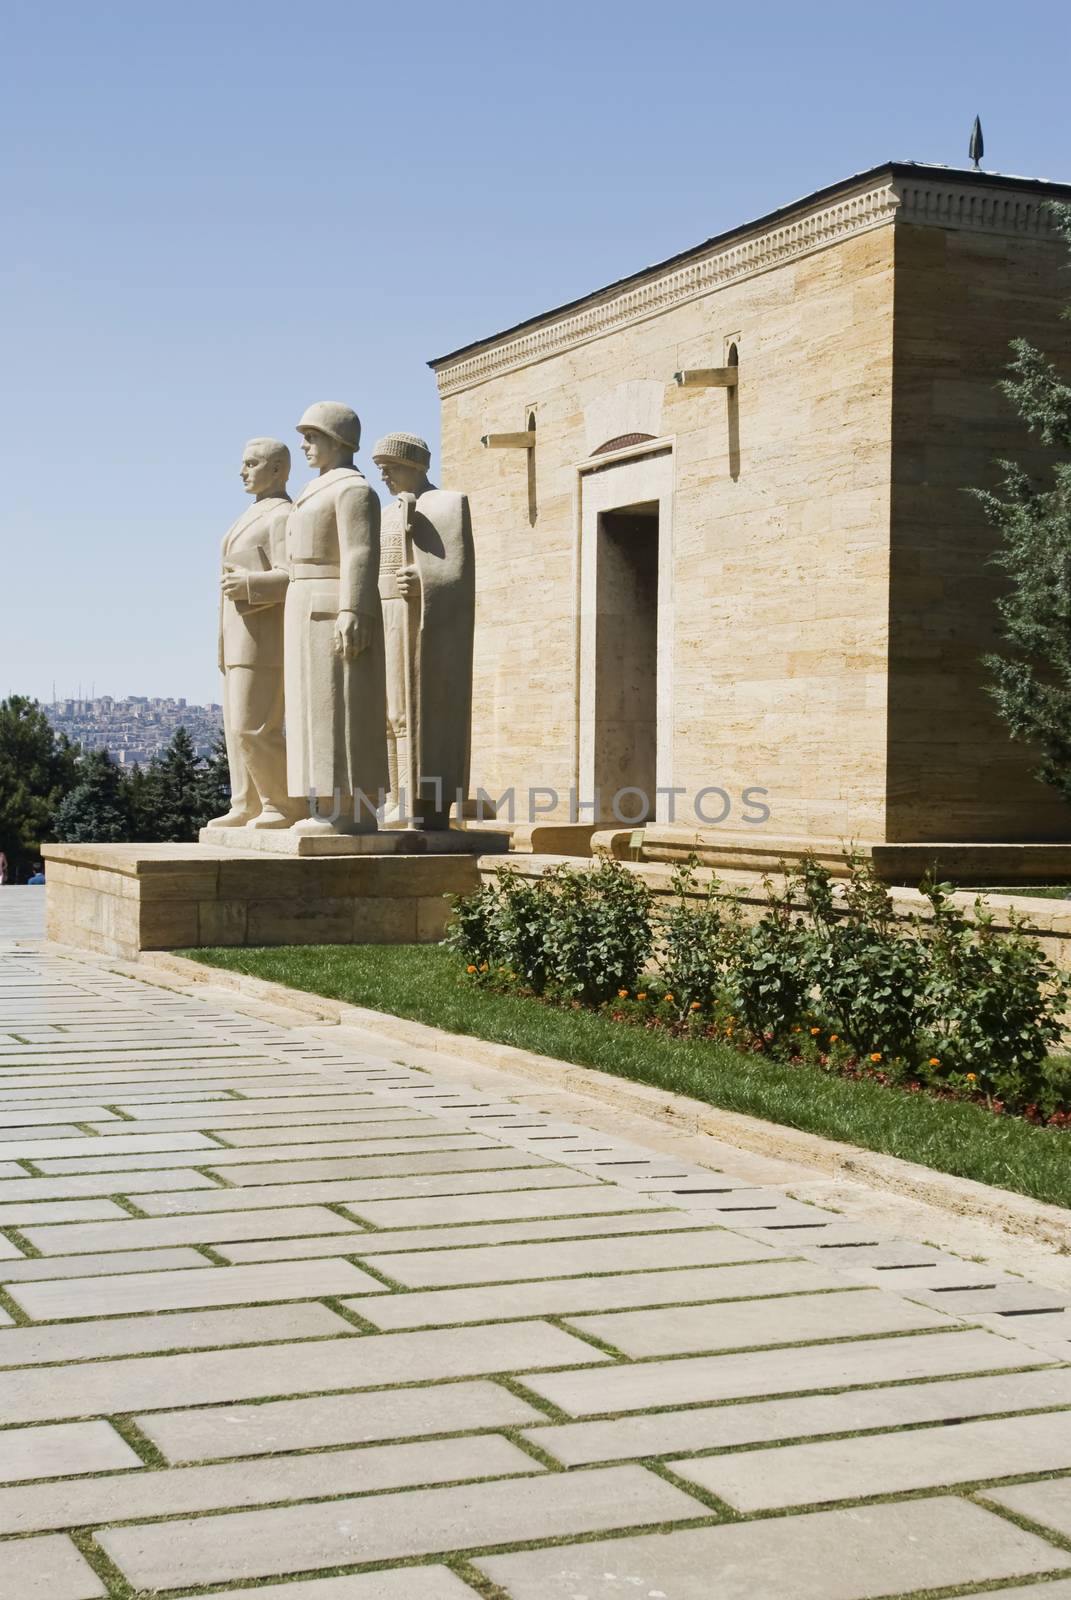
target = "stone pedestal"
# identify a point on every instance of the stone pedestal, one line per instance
(387, 842)
(121, 899)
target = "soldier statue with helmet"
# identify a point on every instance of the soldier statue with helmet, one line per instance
(333, 633)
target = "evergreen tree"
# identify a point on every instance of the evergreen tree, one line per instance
(174, 792)
(216, 780)
(142, 806)
(1032, 678)
(36, 770)
(97, 809)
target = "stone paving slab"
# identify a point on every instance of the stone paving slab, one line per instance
(355, 1131)
(518, 1206)
(46, 1569)
(722, 1427)
(11, 1117)
(867, 1552)
(166, 1331)
(730, 1377)
(245, 1430)
(62, 1450)
(303, 1478)
(558, 1296)
(408, 1583)
(37, 1150)
(218, 1228)
(418, 1522)
(197, 1286)
(851, 1469)
(797, 1319)
(18, 1213)
(1046, 1503)
(152, 1383)
(345, 1190)
(20, 1187)
(244, 1166)
(552, 1228)
(31, 1269)
(513, 1263)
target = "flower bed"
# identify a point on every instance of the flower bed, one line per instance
(826, 979)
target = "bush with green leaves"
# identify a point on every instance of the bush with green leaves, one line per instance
(992, 1001)
(597, 934)
(868, 974)
(769, 977)
(696, 938)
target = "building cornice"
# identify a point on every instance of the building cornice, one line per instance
(894, 194)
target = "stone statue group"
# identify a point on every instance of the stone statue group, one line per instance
(352, 630)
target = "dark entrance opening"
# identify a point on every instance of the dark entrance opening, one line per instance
(626, 660)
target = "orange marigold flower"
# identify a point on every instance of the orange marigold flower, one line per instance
(875, 1055)
(934, 1061)
(972, 1077)
(795, 1027)
(641, 994)
(470, 967)
(667, 999)
(833, 1038)
(622, 994)
(695, 1006)
(814, 1031)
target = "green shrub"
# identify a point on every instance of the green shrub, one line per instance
(696, 942)
(769, 977)
(992, 1002)
(868, 974)
(597, 934)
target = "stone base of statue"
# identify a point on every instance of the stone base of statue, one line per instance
(120, 899)
(387, 842)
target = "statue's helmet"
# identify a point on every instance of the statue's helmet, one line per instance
(405, 447)
(339, 422)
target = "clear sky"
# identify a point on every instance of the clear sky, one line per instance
(216, 213)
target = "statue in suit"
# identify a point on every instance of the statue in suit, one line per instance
(252, 592)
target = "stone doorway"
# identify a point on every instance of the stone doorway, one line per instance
(626, 637)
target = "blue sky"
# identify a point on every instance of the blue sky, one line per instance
(215, 214)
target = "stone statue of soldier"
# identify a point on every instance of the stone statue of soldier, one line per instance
(253, 589)
(427, 589)
(333, 633)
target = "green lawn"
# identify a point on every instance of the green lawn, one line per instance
(423, 982)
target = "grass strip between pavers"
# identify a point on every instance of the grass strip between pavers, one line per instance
(424, 983)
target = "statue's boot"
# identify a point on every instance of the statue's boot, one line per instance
(271, 817)
(236, 817)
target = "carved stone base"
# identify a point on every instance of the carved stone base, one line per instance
(387, 842)
(121, 899)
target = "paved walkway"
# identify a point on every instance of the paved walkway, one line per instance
(281, 1313)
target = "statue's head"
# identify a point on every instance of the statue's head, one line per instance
(265, 466)
(331, 434)
(403, 461)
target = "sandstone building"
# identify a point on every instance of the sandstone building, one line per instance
(767, 575)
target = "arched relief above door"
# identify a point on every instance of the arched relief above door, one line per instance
(629, 409)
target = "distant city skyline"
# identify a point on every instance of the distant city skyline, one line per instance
(134, 728)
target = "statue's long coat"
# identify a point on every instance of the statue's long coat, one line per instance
(443, 555)
(335, 709)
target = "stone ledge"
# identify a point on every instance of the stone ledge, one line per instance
(1014, 1214)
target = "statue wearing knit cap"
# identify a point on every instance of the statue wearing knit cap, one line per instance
(427, 589)
(333, 632)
